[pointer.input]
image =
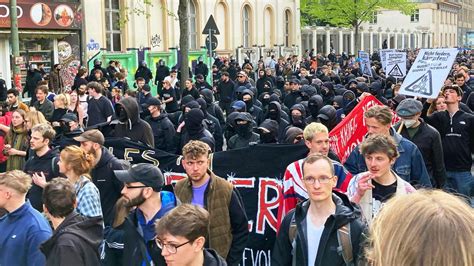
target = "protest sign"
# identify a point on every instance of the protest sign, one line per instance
(428, 73)
(365, 63)
(383, 57)
(396, 64)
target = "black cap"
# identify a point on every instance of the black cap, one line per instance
(145, 173)
(68, 117)
(153, 101)
(146, 87)
(295, 81)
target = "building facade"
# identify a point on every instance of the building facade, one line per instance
(434, 24)
(466, 24)
(247, 27)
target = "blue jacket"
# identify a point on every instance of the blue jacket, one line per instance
(22, 232)
(409, 166)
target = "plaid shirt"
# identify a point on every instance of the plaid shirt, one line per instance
(88, 198)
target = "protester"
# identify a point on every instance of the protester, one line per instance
(23, 228)
(143, 72)
(164, 132)
(76, 239)
(42, 104)
(16, 141)
(427, 220)
(130, 125)
(325, 229)
(143, 189)
(99, 108)
(14, 102)
(183, 243)
(75, 107)
(228, 222)
(192, 128)
(33, 77)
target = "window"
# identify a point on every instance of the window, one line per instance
(246, 26)
(415, 17)
(192, 26)
(112, 26)
(373, 18)
(287, 28)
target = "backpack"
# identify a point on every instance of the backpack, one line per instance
(343, 238)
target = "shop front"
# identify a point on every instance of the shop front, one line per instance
(49, 33)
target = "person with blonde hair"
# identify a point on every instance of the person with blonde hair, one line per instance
(34, 117)
(61, 107)
(429, 227)
(16, 141)
(23, 228)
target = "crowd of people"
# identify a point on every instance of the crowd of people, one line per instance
(65, 199)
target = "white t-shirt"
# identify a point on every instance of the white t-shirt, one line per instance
(314, 237)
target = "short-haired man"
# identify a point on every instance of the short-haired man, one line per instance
(316, 136)
(143, 189)
(226, 92)
(164, 132)
(23, 229)
(425, 137)
(42, 103)
(373, 188)
(228, 229)
(456, 128)
(325, 229)
(182, 243)
(15, 103)
(43, 162)
(99, 108)
(76, 239)
(409, 165)
(461, 82)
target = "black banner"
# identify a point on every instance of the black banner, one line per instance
(256, 172)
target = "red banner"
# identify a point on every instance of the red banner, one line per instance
(351, 130)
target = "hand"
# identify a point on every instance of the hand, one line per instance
(430, 101)
(12, 151)
(39, 179)
(178, 130)
(364, 184)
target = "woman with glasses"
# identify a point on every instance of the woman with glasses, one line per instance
(182, 243)
(16, 142)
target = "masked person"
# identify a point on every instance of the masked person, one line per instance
(143, 72)
(255, 111)
(275, 113)
(70, 129)
(298, 115)
(268, 131)
(162, 71)
(315, 103)
(327, 116)
(192, 128)
(245, 136)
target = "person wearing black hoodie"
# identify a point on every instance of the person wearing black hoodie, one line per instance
(315, 103)
(163, 129)
(33, 76)
(245, 135)
(212, 107)
(298, 115)
(255, 111)
(76, 239)
(327, 116)
(311, 233)
(192, 128)
(212, 124)
(162, 71)
(143, 72)
(43, 163)
(226, 92)
(130, 124)
(275, 113)
(268, 131)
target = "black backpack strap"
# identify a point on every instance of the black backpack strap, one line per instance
(345, 243)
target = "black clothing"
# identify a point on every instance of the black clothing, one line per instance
(144, 72)
(78, 81)
(162, 71)
(291, 99)
(166, 94)
(211, 258)
(275, 113)
(466, 92)
(428, 141)
(470, 101)
(163, 132)
(48, 164)
(194, 130)
(202, 85)
(457, 136)
(105, 74)
(98, 110)
(133, 127)
(382, 192)
(75, 242)
(46, 108)
(226, 93)
(193, 92)
(32, 79)
(212, 107)
(202, 69)
(327, 253)
(3, 90)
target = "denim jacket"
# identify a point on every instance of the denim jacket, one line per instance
(409, 165)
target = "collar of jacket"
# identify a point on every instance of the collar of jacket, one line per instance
(211, 175)
(18, 213)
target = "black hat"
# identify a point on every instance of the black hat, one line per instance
(153, 101)
(295, 81)
(145, 173)
(68, 117)
(146, 87)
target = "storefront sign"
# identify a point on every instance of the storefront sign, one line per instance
(34, 15)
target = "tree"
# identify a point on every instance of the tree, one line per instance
(349, 13)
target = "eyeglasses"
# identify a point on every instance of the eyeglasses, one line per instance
(169, 247)
(129, 187)
(322, 180)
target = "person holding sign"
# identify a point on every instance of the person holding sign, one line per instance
(456, 128)
(409, 165)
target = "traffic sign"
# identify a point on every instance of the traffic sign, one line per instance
(211, 42)
(211, 27)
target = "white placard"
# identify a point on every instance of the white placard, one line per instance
(383, 58)
(396, 64)
(365, 63)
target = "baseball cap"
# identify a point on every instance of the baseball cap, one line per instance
(145, 173)
(238, 105)
(68, 117)
(409, 107)
(153, 101)
(295, 81)
(93, 135)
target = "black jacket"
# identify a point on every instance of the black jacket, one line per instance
(48, 164)
(144, 72)
(457, 136)
(211, 258)
(161, 73)
(327, 253)
(428, 141)
(226, 91)
(75, 242)
(202, 69)
(134, 128)
(32, 79)
(163, 132)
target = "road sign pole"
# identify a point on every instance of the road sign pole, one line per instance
(209, 49)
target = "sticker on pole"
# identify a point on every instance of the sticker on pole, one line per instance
(396, 64)
(365, 63)
(428, 73)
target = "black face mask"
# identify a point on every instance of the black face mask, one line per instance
(265, 101)
(65, 128)
(123, 116)
(313, 110)
(243, 130)
(248, 104)
(267, 138)
(273, 115)
(297, 121)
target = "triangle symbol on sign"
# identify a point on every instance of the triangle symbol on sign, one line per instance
(396, 72)
(367, 70)
(423, 85)
(211, 26)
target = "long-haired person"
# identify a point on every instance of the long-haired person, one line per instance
(16, 141)
(423, 228)
(33, 118)
(75, 107)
